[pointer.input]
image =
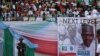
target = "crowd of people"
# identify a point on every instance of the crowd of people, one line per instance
(31, 10)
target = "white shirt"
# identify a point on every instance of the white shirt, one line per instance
(14, 7)
(74, 4)
(86, 2)
(98, 48)
(94, 16)
(39, 19)
(86, 13)
(88, 16)
(34, 7)
(22, 4)
(40, 6)
(76, 13)
(52, 9)
(91, 49)
(30, 12)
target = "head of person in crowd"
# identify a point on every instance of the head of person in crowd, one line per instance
(21, 40)
(87, 34)
(98, 35)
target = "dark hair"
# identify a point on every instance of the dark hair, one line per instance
(21, 39)
(98, 31)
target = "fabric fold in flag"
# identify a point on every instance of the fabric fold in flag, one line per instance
(3, 26)
(26, 41)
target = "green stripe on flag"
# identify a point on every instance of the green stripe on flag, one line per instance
(29, 51)
(8, 43)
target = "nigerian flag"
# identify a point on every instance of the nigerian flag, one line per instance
(8, 43)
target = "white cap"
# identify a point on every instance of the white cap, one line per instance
(52, 9)
(94, 11)
(57, 2)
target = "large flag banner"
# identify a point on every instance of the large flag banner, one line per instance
(76, 36)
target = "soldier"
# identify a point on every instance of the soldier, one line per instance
(21, 47)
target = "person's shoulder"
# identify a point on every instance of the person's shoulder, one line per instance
(98, 48)
(98, 45)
